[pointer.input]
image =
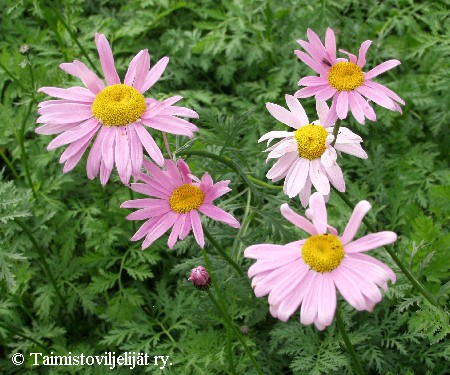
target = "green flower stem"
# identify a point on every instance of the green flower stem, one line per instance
(335, 133)
(416, 283)
(263, 184)
(9, 164)
(14, 78)
(222, 159)
(43, 260)
(222, 309)
(23, 153)
(222, 252)
(230, 350)
(15, 332)
(348, 343)
(75, 39)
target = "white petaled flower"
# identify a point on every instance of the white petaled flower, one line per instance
(306, 156)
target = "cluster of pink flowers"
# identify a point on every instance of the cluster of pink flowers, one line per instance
(120, 123)
(306, 273)
(119, 117)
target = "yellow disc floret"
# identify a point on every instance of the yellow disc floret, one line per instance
(323, 252)
(186, 198)
(118, 105)
(345, 76)
(311, 141)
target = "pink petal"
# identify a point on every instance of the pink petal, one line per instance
(106, 59)
(74, 135)
(186, 226)
(74, 147)
(160, 177)
(322, 111)
(336, 177)
(108, 148)
(273, 263)
(154, 107)
(161, 227)
(66, 118)
(174, 172)
(145, 228)
(95, 155)
(105, 172)
(179, 111)
(185, 172)
(332, 115)
(197, 228)
(297, 220)
(73, 160)
(387, 65)
(296, 109)
(311, 62)
(79, 94)
(368, 110)
(348, 288)
(306, 92)
(355, 221)
(356, 108)
(141, 70)
(327, 300)
(171, 125)
(370, 242)
(296, 177)
(55, 128)
(381, 99)
(87, 76)
(342, 105)
(319, 219)
(305, 193)
(283, 115)
(159, 209)
(261, 251)
(311, 51)
(325, 93)
(60, 110)
(122, 154)
(152, 191)
(311, 300)
(130, 76)
(362, 53)
(370, 264)
(149, 144)
(136, 150)
(384, 90)
(281, 167)
(313, 81)
(175, 232)
(330, 45)
(218, 214)
(154, 74)
(141, 203)
(318, 177)
(274, 278)
(351, 56)
(274, 134)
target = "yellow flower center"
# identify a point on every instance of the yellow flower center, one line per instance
(311, 141)
(345, 76)
(118, 105)
(323, 252)
(186, 198)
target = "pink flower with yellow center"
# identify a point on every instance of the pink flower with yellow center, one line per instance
(306, 273)
(306, 156)
(344, 80)
(176, 203)
(116, 114)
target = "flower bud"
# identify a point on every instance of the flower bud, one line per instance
(24, 49)
(200, 278)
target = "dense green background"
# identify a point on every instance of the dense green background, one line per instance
(227, 58)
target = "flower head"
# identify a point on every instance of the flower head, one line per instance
(307, 272)
(344, 80)
(176, 203)
(306, 156)
(200, 278)
(116, 114)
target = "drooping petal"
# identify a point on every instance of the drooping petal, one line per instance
(87, 76)
(318, 177)
(122, 154)
(197, 228)
(362, 53)
(149, 144)
(297, 220)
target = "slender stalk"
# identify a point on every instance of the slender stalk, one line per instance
(263, 184)
(416, 283)
(14, 331)
(166, 143)
(222, 252)
(43, 260)
(13, 77)
(348, 343)
(223, 311)
(230, 350)
(23, 154)
(9, 164)
(335, 132)
(75, 39)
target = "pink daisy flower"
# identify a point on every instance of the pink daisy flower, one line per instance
(343, 80)
(306, 273)
(117, 113)
(306, 156)
(176, 203)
